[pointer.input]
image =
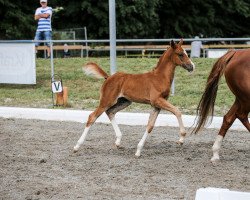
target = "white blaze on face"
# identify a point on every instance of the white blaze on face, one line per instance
(189, 59)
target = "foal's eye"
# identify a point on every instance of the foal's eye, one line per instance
(181, 55)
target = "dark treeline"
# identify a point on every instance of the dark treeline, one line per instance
(135, 18)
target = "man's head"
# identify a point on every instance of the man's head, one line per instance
(43, 3)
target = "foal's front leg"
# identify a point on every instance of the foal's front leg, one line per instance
(150, 126)
(164, 104)
(92, 118)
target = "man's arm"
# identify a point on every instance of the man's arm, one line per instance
(44, 15)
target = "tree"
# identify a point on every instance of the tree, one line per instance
(209, 18)
(232, 18)
(135, 18)
(17, 20)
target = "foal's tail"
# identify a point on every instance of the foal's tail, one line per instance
(206, 104)
(92, 69)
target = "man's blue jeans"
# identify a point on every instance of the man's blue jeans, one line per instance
(43, 35)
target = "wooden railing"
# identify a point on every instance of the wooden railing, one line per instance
(142, 48)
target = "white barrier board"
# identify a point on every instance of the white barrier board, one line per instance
(216, 53)
(124, 118)
(17, 63)
(220, 194)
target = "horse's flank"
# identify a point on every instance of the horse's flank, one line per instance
(206, 104)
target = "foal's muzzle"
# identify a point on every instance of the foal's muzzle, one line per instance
(189, 67)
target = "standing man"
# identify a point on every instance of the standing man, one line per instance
(44, 31)
(196, 47)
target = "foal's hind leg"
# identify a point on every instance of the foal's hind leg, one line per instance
(92, 118)
(121, 104)
(150, 126)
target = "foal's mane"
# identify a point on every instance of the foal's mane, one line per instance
(162, 58)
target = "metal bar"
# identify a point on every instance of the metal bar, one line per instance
(112, 36)
(86, 43)
(51, 61)
(128, 40)
(173, 87)
(81, 52)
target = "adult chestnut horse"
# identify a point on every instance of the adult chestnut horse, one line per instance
(120, 89)
(235, 65)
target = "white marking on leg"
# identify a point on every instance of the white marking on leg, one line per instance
(82, 138)
(182, 137)
(182, 129)
(216, 148)
(141, 144)
(117, 132)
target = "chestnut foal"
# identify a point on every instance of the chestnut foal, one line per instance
(120, 90)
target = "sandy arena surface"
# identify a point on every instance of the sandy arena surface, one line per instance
(37, 162)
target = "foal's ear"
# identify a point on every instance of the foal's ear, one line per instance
(173, 44)
(180, 43)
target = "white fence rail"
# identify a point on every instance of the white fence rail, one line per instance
(99, 45)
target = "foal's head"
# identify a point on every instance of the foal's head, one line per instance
(180, 57)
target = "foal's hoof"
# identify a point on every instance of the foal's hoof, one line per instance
(118, 146)
(179, 143)
(137, 154)
(75, 149)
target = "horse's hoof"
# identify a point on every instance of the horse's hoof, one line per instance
(179, 143)
(215, 161)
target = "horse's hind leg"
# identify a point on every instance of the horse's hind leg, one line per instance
(121, 104)
(244, 120)
(150, 126)
(92, 118)
(228, 120)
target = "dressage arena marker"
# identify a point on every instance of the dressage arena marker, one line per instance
(62, 97)
(60, 91)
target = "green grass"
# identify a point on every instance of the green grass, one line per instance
(84, 91)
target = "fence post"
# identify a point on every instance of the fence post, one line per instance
(86, 44)
(173, 87)
(51, 60)
(112, 36)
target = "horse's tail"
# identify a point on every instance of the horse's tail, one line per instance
(92, 69)
(206, 104)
